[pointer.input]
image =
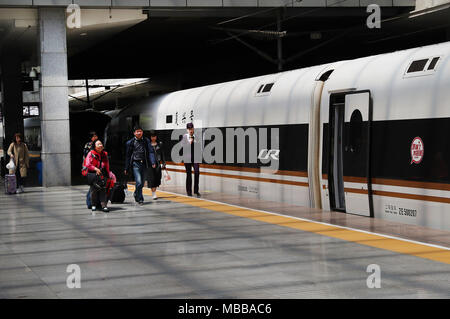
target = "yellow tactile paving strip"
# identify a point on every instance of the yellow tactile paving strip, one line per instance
(360, 237)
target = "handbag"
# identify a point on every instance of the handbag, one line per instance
(91, 178)
(11, 165)
(166, 176)
(98, 181)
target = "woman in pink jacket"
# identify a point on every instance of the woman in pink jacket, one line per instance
(97, 162)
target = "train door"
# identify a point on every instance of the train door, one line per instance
(349, 178)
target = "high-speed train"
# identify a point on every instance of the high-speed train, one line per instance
(369, 136)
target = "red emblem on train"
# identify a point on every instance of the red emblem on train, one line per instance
(417, 150)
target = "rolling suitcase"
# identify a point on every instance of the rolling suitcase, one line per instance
(118, 194)
(10, 184)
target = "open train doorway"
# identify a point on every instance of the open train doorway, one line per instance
(349, 179)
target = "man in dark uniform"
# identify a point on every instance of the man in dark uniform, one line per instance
(189, 142)
(139, 156)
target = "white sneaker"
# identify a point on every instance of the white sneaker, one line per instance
(154, 196)
(18, 191)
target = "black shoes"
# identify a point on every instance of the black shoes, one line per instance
(197, 194)
(104, 209)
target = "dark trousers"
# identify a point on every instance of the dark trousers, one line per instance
(89, 201)
(188, 167)
(98, 195)
(154, 176)
(19, 178)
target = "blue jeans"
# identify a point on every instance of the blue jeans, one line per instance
(140, 175)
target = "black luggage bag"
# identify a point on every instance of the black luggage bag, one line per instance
(117, 195)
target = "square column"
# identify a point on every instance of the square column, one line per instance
(12, 106)
(55, 128)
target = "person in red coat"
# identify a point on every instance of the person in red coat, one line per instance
(97, 162)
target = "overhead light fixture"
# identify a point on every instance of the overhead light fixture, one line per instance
(83, 34)
(422, 9)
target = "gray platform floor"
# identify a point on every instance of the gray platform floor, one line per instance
(165, 249)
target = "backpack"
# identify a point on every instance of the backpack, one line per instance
(84, 169)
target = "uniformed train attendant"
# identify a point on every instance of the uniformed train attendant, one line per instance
(155, 173)
(189, 141)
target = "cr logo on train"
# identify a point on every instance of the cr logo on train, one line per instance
(264, 154)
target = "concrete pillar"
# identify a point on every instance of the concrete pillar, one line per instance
(55, 130)
(12, 106)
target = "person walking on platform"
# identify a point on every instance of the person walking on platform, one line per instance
(97, 162)
(189, 142)
(89, 146)
(18, 150)
(155, 173)
(139, 156)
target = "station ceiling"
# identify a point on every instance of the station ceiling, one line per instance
(188, 47)
(208, 46)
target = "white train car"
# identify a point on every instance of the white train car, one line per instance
(403, 171)
(369, 136)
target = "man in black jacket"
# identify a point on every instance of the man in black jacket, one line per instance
(190, 161)
(139, 156)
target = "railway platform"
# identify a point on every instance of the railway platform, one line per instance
(216, 246)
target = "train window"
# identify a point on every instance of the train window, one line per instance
(268, 87)
(433, 64)
(264, 89)
(169, 118)
(417, 66)
(356, 121)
